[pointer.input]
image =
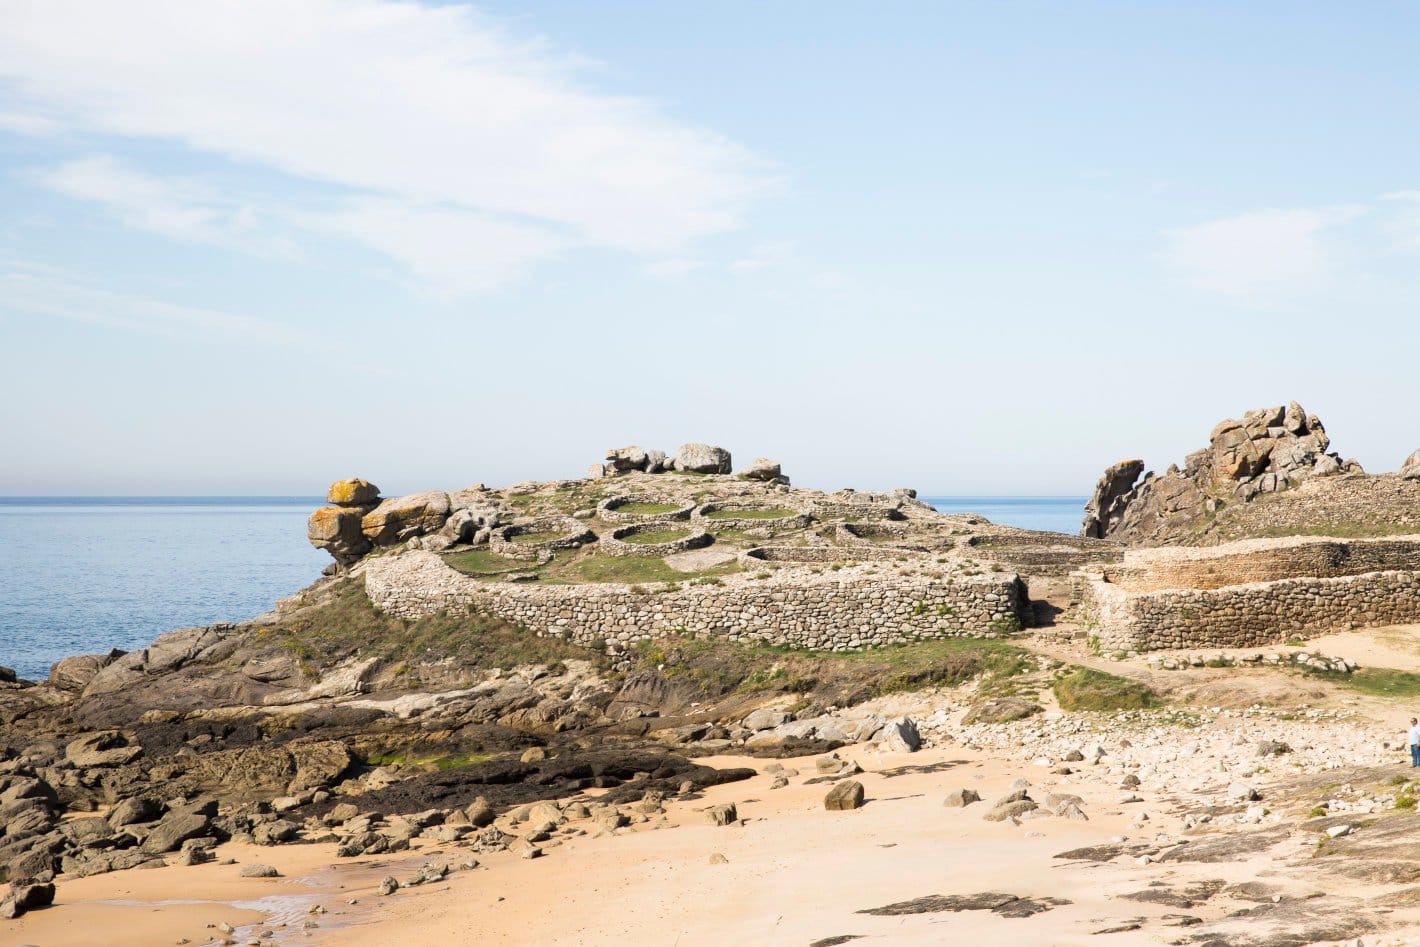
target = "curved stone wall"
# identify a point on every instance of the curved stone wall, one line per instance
(702, 516)
(616, 545)
(573, 535)
(835, 611)
(608, 510)
(826, 509)
(861, 553)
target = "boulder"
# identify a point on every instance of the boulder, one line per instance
(337, 530)
(961, 798)
(765, 718)
(26, 897)
(404, 517)
(702, 458)
(75, 673)
(353, 492)
(1111, 495)
(133, 810)
(899, 736)
(1410, 470)
(656, 461)
(174, 829)
(845, 795)
(1009, 810)
(722, 814)
(626, 459)
(762, 469)
(258, 871)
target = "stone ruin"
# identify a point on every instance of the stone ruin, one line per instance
(1270, 450)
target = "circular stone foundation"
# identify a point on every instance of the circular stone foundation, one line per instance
(570, 534)
(612, 510)
(616, 544)
(826, 509)
(790, 520)
(822, 554)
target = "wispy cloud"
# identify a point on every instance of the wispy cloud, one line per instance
(182, 209)
(1257, 257)
(482, 153)
(44, 291)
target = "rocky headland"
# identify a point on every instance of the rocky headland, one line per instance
(522, 686)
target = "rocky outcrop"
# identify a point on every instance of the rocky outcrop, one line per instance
(764, 469)
(702, 458)
(1410, 470)
(691, 458)
(1269, 451)
(405, 517)
(337, 528)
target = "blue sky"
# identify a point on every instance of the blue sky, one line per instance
(970, 248)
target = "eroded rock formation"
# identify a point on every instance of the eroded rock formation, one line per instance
(1269, 451)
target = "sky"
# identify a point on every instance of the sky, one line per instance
(976, 249)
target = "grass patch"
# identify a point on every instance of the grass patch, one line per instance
(770, 514)
(1087, 689)
(651, 537)
(543, 537)
(631, 570)
(1374, 682)
(721, 667)
(646, 509)
(483, 562)
(344, 624)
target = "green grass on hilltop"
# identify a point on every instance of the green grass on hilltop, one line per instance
(772, 514)
(646, 509)
(1374, 682)
(652, 537)
(1084, 688)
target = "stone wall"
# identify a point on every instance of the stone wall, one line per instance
(1261, 560)
(1245, 616)
(616, 543)
(833, 611)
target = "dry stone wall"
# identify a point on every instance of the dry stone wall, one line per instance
(830, 612)
(1148, 570)
(1245, 616)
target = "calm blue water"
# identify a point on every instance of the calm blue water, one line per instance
(82, 575)
(1058, 514)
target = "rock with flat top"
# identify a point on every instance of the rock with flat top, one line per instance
(702, 458)
(844, 795)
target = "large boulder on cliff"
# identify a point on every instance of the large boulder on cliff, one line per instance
(765, 470)
(404, 517)
(1268, 451)
(337, 530)
(702, 458)
(626, 459)
(353, 492)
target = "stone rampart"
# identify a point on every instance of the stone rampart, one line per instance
(1246, 616)
(1261, 560)
(834, 611)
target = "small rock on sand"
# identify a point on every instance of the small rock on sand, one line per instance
(845, 795)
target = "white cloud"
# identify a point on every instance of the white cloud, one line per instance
(181, 209)
(763, 256)
(45, 291)
(1404, 223)
(1259, 256)
(390, 102)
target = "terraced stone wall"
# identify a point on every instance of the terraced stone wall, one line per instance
(1262, 560)
(1243, 616)
(835, 611)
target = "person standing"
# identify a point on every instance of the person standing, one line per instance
(1414, 740)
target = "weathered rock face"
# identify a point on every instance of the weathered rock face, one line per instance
(702, 458)
(1270, 450)
(404, 517)
(1410, 470)
(336, 528)
(765, 470)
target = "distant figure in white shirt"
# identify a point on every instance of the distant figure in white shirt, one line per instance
(1414, 742)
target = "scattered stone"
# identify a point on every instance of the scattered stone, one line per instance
(722, 814)
(844, 795)
(258, 871)
(960, 798)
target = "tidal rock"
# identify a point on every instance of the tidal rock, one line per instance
(174, 829)
(26, 897)
(75, 673)
(702, 458)
(105, 748)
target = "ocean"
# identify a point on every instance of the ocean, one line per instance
(81, 575)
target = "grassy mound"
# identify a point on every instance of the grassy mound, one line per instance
(1087, 689)
(344, 623)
